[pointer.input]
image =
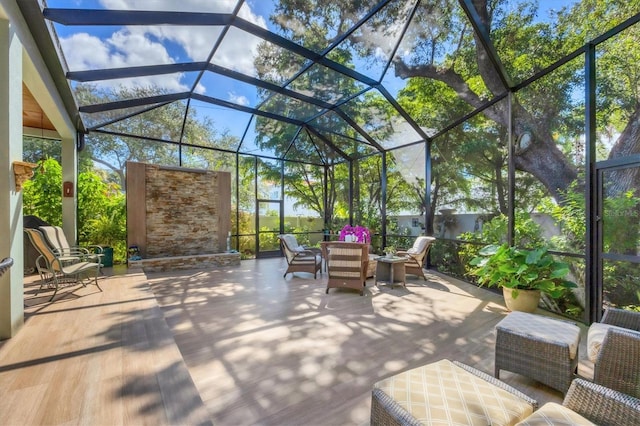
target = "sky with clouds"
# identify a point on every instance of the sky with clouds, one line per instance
(88, 48)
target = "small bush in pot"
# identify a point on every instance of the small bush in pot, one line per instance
(390, 251)
(518, 269)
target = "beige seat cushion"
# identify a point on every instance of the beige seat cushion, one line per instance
(595, 337)
(419, 244)
(554, 414)
(292, 243)
(443, 393)
(543, 328)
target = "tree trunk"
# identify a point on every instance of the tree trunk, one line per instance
(623, 180)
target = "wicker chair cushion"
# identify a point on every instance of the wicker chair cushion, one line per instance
(443, 393)
(543, 328)
(554, 414)
(419, 244)
(292, 243)
(595, 337)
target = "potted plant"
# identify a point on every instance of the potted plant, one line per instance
(355, 234)
(522, 274)
(390, 251)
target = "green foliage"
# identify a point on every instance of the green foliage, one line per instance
(519, 269)
(42, 194)
(526, 232)
(268, 239)
(163, 123)
(620, 235)
(110, 227)
(445, 256)
(570, 217)
(101, 206)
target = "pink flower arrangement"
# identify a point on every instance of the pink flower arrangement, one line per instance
(361, 233)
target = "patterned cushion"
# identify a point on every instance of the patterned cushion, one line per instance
(443, 393)
(595, 337)
(543, 328)
(554, 414)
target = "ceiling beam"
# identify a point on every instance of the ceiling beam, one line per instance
(104, 17)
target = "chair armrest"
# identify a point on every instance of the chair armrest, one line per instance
(6, 263)
(313, 249)
(412, 256)
(71, 251)
(304, 253)
(96, 248)
(622, 318)
(602, 405)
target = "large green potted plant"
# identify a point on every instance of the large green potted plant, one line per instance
(522, 274)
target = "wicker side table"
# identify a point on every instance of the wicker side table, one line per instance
(541, 348)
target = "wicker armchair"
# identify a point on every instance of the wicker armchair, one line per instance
(622, 318)
(614, 347)
(347, 265)
(618, 363)
(299, 259)
(416, 256)
(589, 402)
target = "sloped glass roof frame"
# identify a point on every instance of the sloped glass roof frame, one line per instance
(43, 19)
(118, 18)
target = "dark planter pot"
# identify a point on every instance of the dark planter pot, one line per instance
(107, 260)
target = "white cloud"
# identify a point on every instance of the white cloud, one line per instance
(85, 52)
(141, 45)
(238, 99)
(237, 52)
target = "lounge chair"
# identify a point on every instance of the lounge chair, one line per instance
(299, 258)
(417, 255)
(54, 235)
(53, 271)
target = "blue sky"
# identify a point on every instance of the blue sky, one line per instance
(108, 47)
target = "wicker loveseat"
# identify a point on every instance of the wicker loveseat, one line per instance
(448, 392)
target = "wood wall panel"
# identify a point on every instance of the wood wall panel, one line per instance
(224, 208)
(136, 206)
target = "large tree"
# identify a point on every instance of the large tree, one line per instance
(164, 123)
(441, 45)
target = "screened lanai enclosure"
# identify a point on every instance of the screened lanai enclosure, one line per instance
(476, 121)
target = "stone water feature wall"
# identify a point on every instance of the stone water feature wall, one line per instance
(179, 218)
